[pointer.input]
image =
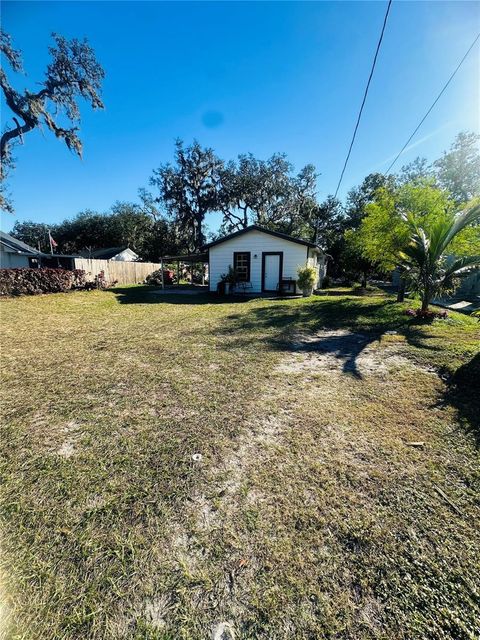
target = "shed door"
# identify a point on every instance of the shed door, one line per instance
(272, 271)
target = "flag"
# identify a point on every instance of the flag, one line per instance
(52, 242)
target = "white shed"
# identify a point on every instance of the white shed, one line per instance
(117, 254)
(265, 260)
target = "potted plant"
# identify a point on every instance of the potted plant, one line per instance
(229, 280)
(307, 277)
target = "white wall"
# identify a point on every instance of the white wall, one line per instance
(12, 260)
(221, 256)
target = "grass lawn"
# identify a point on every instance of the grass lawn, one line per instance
(309, 512)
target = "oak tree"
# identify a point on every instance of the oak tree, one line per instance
(72, 74)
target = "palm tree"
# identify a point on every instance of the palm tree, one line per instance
(424, 261)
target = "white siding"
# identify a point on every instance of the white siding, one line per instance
(221, 256)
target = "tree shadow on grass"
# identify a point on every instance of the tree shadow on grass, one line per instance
(280, 320)
(343, 346)
(150, 295)
(345, 329)
(463, 393)
(358, 322)
(339, 328)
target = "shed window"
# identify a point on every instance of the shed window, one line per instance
(241, 264)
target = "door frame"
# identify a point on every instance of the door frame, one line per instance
(280, 267)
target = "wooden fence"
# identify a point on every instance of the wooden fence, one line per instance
(123, 272)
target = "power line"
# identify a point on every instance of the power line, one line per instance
(433, 104)
(364, 95)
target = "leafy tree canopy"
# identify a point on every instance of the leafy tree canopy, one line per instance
(125, 225)
(188, 189)
(359, 197)
(458, 170)
(73, 74)
(384, 230)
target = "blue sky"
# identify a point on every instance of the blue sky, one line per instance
(242, 77)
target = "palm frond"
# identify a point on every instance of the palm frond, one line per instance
(463, 266)
(461, 220)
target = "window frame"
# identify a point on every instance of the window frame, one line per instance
(249, 263)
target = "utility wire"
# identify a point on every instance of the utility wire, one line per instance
(364, 96)
(433, 104)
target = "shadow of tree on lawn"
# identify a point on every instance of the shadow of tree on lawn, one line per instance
(342, 329)
(463, 393)
(346, 328)
(152, 295)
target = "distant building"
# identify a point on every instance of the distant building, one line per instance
(15, 254)
(119, 254)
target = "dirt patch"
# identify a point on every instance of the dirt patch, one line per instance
(257, 437)
(68, 448)
(223, 631)
(156, 610)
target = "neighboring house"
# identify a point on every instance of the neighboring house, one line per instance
(15, 254)
(266, 260)
(119, 254)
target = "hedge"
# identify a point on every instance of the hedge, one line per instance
(16, 282)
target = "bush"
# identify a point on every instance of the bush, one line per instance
(231, 277)
(99, 282)
(156, 277)
(16, 282)
(426, 315)
(307, 277)
(326, 282)
(359, 287)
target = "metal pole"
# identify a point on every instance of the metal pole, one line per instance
(161, 267)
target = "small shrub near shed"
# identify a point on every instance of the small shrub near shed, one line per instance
(156, 277)
(16, 282)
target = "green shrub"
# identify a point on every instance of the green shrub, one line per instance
(16, 282)
(307, 277)
(231, 277)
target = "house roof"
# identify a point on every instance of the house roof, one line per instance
(255, 227)
(17, 245)
(110, 252)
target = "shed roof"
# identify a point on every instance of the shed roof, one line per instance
(255, 227)
(109, 252)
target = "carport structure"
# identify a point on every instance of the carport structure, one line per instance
(191, 259)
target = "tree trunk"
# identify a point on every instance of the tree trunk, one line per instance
(245, 217)
(425, 302)
(401, 290)
(364, 280)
